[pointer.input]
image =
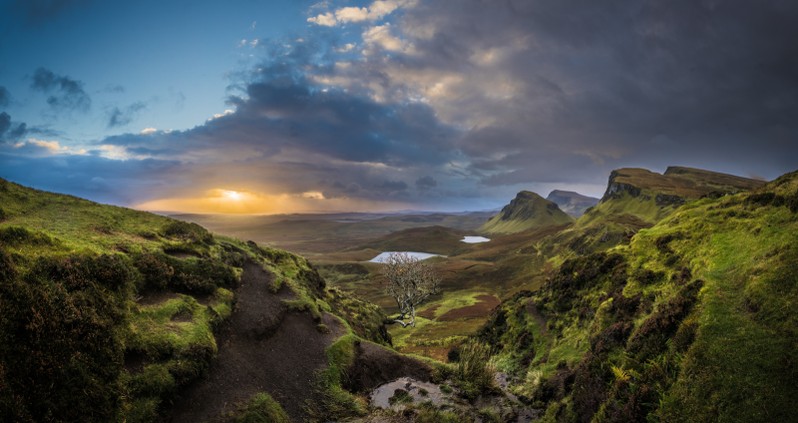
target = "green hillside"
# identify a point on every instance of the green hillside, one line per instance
(639, 198)
(693, 320)
(526, 211)
(109, 313)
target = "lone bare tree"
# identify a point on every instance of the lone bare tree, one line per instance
(410, 282)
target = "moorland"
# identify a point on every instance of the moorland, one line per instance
(670, 299)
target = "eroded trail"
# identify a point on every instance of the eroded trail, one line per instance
(262, 348)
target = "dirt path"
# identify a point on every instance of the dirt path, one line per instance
(262, 348)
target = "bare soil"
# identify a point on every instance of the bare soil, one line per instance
(262, 348)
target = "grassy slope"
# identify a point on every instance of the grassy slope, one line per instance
(109, 311)
(636, 199)
(692, 321)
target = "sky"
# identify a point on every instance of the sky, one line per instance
(246, 106)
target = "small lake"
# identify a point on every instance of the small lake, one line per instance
(474, 239)
(383, 257)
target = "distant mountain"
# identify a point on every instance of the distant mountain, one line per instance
(528, 210)
(571, 202)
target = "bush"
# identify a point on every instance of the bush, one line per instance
(17, 235)
(60, 345)
(156, 273)
(473, 371)
(262, 408)
(192, 276)
(189, 232)
(650, 338)
(7, 269)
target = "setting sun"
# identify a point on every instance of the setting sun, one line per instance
(232, 195)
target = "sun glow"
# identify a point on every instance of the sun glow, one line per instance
(232, 195)
(227, 201)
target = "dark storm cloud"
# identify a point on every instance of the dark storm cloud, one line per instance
(570, 89)
(341, 125)
(9, 131)
(64, 93)
(298, 135)
(122, 117)
(426, 182)
(5, 96)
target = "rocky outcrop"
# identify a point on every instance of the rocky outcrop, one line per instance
(675, 186)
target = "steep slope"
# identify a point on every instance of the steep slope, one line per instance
(649, 195)
(691, 321)
(110, 314)
(526, 211)
(570, 202)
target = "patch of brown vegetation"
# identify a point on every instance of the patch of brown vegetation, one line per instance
(429, 312)
(485, 304)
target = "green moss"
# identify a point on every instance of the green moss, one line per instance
(336, 402)
(262, 408)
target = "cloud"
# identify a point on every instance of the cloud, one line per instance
(286, 134)
(87, 176)
(65, 93)
(473, 103)
(5, 96)
(376, 11)
(426, 182)
(565, 91)
(380, 36)
(122, 117)
(9, 131)
(51, 146)
(113, 89)
(324, 19)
